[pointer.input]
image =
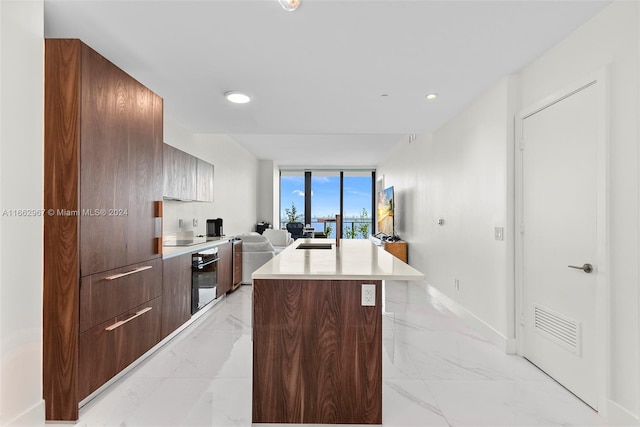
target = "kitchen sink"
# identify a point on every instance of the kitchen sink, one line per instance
(315, 246)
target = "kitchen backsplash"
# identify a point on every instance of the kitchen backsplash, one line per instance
(174, 211)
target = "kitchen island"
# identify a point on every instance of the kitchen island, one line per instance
(317, 332)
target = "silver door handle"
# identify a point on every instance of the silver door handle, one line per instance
(587, 268)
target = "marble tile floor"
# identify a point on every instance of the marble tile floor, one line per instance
(436, 372)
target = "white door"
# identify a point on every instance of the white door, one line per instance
(559, 237)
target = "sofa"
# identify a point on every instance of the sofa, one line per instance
(256, 251)
(280, 239)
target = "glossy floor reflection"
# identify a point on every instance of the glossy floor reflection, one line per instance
(436, 372)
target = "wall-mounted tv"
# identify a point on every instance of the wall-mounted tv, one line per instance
(386, 205)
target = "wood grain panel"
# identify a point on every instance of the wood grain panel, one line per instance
(176, 292)
(97, 360)
(121, 166)
(397, 249)
(102, 299)
(179, 174)
(317, 353)
(204, 181)
(136, 337)
(103, 353)
(103, 137)
(145, 171)
(225, 268)
(106, 104)
(237, 263)
(61, 257)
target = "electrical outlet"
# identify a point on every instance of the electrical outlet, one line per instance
(195, 222)
(180, 223)
(368, 295)
(456, 283)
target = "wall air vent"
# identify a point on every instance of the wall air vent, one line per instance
(558, 328)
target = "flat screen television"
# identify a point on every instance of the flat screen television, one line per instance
(386, 206)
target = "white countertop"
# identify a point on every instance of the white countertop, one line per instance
(352, 260)
(171, 251)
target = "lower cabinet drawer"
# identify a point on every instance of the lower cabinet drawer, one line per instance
(112, 293)
(111, 346)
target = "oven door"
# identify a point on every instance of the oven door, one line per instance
(204, 280)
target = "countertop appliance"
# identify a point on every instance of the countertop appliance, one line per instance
(214, 227)
(204, 278)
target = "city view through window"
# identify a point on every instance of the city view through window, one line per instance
(325, 202)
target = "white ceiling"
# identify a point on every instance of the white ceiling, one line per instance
(317, 75)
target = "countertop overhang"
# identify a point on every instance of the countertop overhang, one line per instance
(353, 259)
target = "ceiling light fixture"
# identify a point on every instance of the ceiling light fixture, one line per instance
(432, 96)
(237, 97)
(289, 5)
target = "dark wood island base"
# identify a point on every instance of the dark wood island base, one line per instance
(317, 352)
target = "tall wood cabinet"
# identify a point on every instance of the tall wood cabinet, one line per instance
(103, 178)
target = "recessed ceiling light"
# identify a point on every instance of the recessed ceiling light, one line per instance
(289, 5)
(237, 97)
(432, 96)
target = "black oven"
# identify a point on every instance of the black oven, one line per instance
(204, 278)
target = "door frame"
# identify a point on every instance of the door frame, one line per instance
(600, 79)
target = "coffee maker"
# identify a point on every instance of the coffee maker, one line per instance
(214, 227)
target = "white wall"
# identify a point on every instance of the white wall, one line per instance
(610, 39)
(234, 183)
(21, 164)
(459, 174)
(463, 173)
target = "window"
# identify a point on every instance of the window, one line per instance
(328, 193)
(291, 197)
(357, 201)
(325, 201)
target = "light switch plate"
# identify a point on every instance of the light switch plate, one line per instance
(368, 294)
(499, 233)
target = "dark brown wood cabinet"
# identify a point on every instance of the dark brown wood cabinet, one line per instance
(204, 181)
(186, 177)
(108, 294)
(120, 167)
(317, 352)
(225, 268)
(102, 179)
(109, 347)
(237, 264)
(176, 291)
(179, 174)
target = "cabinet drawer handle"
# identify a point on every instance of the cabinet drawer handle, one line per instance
(137, 270)
(122, 322)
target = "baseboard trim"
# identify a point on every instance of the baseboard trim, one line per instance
(617, 415)
(33, 416)
(507, 345)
